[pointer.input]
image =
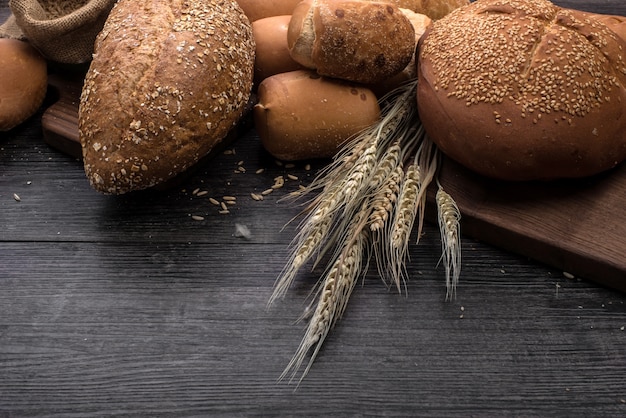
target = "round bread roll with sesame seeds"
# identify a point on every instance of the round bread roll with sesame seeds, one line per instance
(363, 42)
(162, 90)
(524, 90)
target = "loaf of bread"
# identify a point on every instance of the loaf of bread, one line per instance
(364, 42)
(272, 54)
(301, 115)
(23, 82)
(434, 9)
(260, 9)
(419, 22)
(524, 90)
(167, 82)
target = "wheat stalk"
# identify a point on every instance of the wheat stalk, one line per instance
(335, 291)
(449, 227)
(368, 200)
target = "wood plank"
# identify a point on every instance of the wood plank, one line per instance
(571, 225)
(574, 225)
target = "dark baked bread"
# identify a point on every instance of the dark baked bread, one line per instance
(522, 90)
(168, 81)
(364, 42)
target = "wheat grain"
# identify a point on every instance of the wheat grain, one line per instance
(384, 200)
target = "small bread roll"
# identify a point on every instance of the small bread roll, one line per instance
(260, 9)
(23, 82)
(301, 115)
(272, 54)
(364, 42)
(420, 22)
(524, 90)
(434, 9)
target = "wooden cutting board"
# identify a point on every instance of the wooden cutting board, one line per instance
(576, 226)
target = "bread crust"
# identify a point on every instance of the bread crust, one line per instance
(364, 42)
(524, 90)
(168, 80)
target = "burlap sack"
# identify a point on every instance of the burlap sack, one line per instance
(63, 30)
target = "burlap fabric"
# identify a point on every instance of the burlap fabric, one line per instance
(64, 31)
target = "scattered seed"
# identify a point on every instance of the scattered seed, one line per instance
(224, 207)
(256, 197)
(229, 152)
(195, 191)
(292, 177)
(260, 171)
(290, 165)
(214, 201)
(224, 212)
(568, 275)
(307, 167)
(16, 197)
(241, 169)
(279, 163)
(202, 193)
(240, 162)
(197, 217)
(266, 192)
(229, 198)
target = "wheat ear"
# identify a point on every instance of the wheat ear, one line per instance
(336, 289)
(449, 226)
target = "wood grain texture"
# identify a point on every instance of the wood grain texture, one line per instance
(125, 306)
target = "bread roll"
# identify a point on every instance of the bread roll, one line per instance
(358, 41)
(272, 54)
(260, 9)
(162, 90)
(434, 9)
(301, 115)
(23, 82)
(524, 90)
(420, 22)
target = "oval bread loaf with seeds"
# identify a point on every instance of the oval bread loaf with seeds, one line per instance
(524, 90)
(364, 42)
(167, 82)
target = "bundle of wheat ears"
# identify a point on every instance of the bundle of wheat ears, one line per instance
(365, 204)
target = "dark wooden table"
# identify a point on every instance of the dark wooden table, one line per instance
(128, 306)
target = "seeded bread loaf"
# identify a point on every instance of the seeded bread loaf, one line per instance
(167, 82)
(364, 42)
(523, 90)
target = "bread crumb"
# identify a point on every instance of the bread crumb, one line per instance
(242, 231)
